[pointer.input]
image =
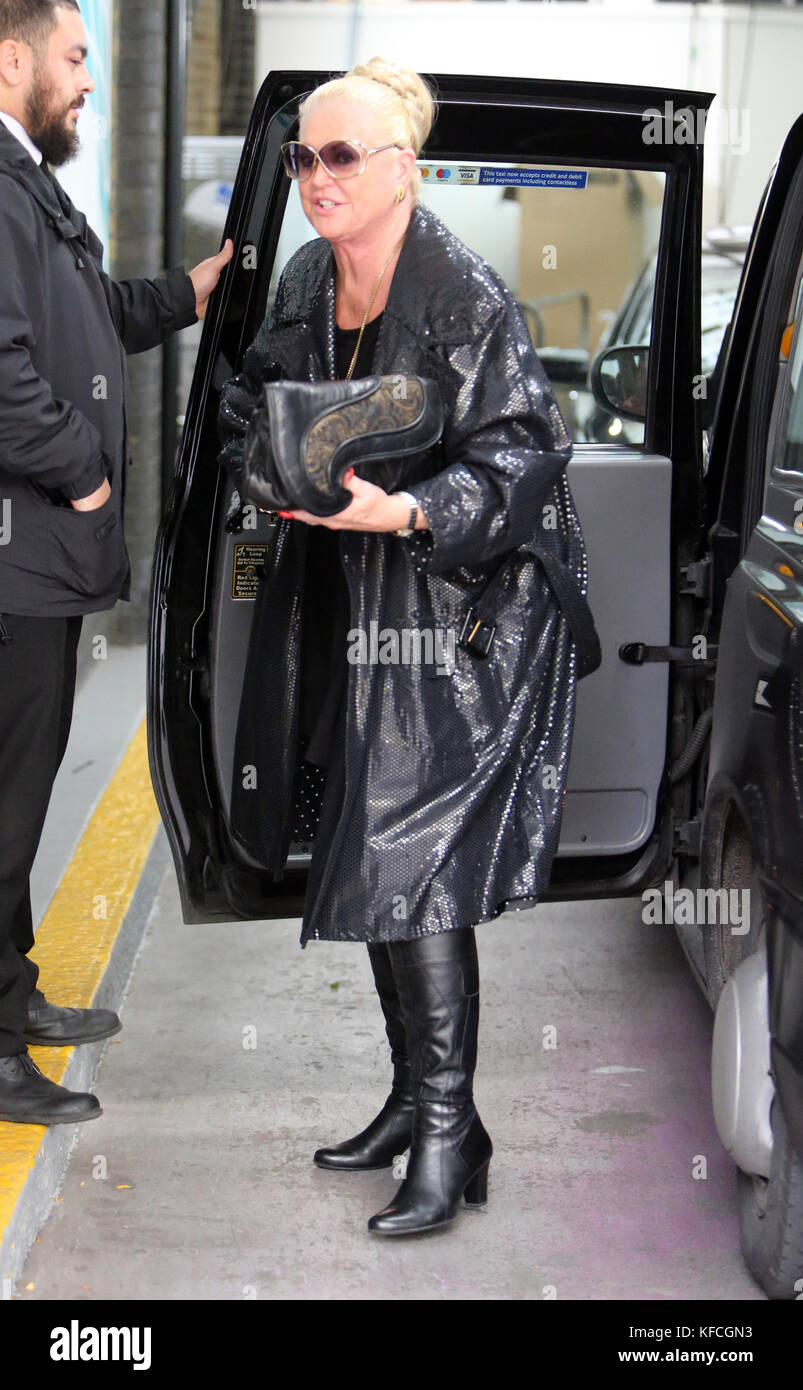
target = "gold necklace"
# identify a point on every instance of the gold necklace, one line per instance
(396, 248)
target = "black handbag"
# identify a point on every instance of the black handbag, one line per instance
(303, 436)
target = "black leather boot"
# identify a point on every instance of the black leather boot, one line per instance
(438, 982)
(29, 1098)
(390, 1133)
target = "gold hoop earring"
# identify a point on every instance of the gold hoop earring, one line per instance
(400, 192)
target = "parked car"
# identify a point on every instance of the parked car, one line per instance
(721, 262)
(687, 761)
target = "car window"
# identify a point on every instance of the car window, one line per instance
(788, 448)
(568, 241)
(719, 284)
(633, 325)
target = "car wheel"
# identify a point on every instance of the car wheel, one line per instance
(771, 1217)
(732, 866)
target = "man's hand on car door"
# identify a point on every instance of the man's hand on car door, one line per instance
(206, 275)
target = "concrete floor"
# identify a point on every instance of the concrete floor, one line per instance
(197, 1181)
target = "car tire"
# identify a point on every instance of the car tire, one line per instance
(771, 1217)
(731, 863)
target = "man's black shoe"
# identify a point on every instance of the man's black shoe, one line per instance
(29, 1098)
(50, 1025)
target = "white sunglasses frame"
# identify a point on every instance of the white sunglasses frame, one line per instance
(357, 144)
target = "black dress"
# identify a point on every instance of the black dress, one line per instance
(325, 622)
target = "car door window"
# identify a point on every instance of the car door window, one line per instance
(787, 438)
(574, 244)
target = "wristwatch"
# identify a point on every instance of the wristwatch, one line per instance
(413, 505)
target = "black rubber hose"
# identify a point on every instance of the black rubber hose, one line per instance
(694, 747)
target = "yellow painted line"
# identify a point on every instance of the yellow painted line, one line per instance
(75, 938)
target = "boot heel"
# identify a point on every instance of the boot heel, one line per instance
(476, 1190)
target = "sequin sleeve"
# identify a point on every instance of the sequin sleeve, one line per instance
(240, 394)
(238, 400)
(505, 446)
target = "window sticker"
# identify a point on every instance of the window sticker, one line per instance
(502, 176)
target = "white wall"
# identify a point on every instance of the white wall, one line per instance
(751, 58)
(87, 178)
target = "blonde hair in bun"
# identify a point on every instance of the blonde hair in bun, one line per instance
(402, 99)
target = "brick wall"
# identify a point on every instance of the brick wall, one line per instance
(203, 67)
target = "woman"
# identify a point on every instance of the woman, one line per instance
(442, 779)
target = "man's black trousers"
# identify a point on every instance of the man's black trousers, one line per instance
(37, 689)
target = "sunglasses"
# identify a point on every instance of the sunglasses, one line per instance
(342, 159)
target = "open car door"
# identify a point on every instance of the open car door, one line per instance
(568, 189)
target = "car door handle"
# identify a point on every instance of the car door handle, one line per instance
(636, 653)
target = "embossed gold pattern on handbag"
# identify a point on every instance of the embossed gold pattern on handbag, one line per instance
(303, 436)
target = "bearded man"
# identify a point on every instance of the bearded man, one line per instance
(63, 459)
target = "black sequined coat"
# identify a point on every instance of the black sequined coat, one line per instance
(455, 767)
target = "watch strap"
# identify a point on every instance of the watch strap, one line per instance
(413, 505)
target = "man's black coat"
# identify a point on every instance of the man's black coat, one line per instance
(65, 329)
